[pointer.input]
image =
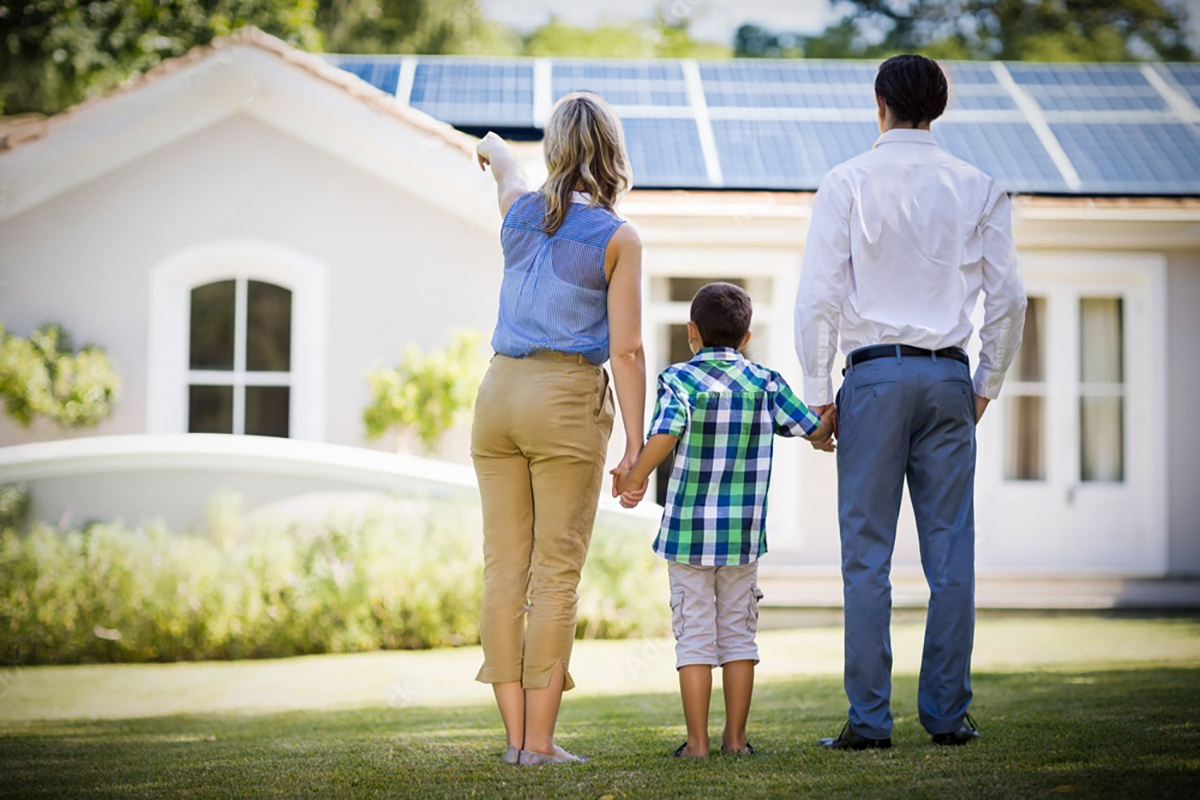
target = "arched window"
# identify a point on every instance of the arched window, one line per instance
(237, 342)
(240, 358)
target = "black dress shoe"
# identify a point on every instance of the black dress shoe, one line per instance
(968, 732)
(849, 740)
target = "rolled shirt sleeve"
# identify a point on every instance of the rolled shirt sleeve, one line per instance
(1004, 299)
(671, 412)
(789, 415)
(824, 279)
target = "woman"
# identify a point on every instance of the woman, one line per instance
(570, 298)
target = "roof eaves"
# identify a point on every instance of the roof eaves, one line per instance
(24, 128)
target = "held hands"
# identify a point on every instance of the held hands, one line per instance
(823, 437)
(623, 486)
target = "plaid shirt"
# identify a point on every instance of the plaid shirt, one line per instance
(724, 410)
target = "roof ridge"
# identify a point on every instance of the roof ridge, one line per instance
(24, 128)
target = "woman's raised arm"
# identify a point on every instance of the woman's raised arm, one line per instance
(510, 183)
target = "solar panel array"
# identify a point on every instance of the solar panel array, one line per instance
(1086, 129)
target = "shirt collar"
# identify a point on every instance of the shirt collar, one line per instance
(717, 354)
(909, 135)
(581, 197)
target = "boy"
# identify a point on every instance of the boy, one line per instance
(721, 410)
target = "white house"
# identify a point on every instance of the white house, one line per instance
(248, 229)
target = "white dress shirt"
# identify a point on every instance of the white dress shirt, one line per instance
(901, 242)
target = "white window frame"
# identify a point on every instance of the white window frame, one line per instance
(240, 260)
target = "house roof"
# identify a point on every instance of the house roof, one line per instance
(21, 129)
(781, 124)
(248, 73)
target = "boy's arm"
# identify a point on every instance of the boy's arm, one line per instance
(658, 448)
(791, 417)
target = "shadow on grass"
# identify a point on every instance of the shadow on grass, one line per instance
(1117, 734)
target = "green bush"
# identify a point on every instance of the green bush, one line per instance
(43, 376)
(110, 593)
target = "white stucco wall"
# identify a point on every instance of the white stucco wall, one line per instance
(399, 269)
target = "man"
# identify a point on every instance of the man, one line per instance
(902, 241)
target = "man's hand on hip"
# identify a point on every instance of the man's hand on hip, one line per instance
(981, 404)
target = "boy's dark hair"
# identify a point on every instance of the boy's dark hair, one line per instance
(721, 312)
(914, 88)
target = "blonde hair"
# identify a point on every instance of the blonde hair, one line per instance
(585, 151)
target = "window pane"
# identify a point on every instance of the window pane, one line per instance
(1102, 423)
(682, 290)
(1029, 365)
(211, 342)
(210, 409)
(1100, 336)
(1025, 427)
(267, 410)
(268, 327)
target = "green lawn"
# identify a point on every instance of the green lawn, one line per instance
(1068, 705)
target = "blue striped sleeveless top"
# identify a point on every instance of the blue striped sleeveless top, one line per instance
(554, 295)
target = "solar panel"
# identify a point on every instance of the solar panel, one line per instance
(380, 73)
(788, 84)
(1133, 158)
(1075, 75)
(1188, 76)
(967, 73)
(1090, 87)
(788, 71)
(665, 153)
(782, 124)
(492, 93)
(783, 95)
(960, 99)
(1008, 151)
(647, 83)
(786, 154)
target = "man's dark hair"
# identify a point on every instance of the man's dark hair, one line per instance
(914, 88)
(722, 314)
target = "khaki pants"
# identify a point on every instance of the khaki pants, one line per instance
(539, 441)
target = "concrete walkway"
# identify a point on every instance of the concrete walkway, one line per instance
(808, 587)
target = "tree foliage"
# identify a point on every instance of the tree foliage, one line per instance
(1016, 30)
(42, 376)
(425, 392)
(428, 27)
(55, 53)
(655, 39)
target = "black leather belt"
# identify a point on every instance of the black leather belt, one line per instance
(906, 351)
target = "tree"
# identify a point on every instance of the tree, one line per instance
(424, 392)
(42, 376)
(659, 38)
(428, 27)
(1017, 30)
(56, 53)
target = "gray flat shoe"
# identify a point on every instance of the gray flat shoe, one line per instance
(512, 754)
(531, 758)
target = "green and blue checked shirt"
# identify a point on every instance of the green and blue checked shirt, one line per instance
(724, 410)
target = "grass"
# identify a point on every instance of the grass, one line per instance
(1083, 706)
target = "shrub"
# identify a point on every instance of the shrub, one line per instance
(43, 376)
(408, 579)
(424, 392)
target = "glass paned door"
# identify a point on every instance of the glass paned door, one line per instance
(1025, 420)
(1061, 481)
(1101, 390)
